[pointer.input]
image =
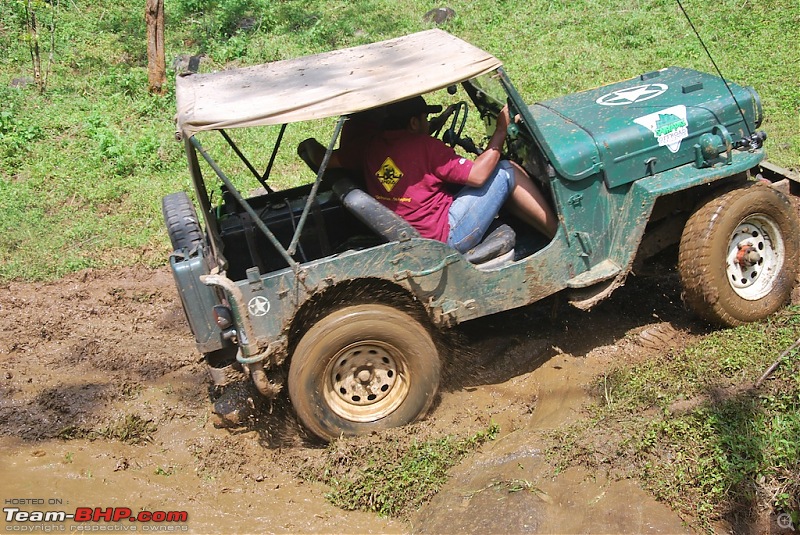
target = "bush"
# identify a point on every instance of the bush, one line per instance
(16, 133)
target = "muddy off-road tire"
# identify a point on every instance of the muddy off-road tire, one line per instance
(363, 368)
(738, 255)
(182, 223)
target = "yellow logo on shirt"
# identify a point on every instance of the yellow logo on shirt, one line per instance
(388, 174)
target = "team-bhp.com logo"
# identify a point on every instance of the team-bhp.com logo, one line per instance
(157, 520)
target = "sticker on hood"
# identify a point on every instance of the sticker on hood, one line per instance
(669, 126)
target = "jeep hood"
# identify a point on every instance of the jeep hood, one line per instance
(645, 125)
(327, 85)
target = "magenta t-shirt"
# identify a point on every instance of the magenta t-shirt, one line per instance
(412, 175)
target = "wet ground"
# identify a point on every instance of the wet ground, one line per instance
(102, 356)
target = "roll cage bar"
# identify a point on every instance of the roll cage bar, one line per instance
(193, 146)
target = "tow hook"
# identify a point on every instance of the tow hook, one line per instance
(753, 142)
(747, 255)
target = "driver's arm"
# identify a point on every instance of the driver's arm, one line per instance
(484, 164)
(437, 122)
(312, 152)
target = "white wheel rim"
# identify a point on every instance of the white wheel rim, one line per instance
(755, 257)
(366, 381)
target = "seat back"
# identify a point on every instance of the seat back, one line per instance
(373, 214)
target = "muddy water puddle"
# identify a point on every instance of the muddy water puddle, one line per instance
(229, 482)
(60, 476)
(510, 485)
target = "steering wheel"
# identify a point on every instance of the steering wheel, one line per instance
(458, 119)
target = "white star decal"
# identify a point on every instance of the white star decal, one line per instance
(258, 306)
(631, 95)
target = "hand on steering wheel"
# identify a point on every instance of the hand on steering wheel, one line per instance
(513, 117)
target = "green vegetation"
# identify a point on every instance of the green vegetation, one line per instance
(84, 165)
(693, 428)
(168, 471)
(130, 429)
(396, 476)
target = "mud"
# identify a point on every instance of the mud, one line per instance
(104, 403)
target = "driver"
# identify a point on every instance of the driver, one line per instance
(445, 196)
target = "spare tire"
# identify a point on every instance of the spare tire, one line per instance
(183, 226)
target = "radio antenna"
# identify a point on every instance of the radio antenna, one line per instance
(714, 63)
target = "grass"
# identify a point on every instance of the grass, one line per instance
(130, 429)
(395, 476)
(83, 166)
(693, 428)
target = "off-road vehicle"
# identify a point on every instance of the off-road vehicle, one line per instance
(321, 289)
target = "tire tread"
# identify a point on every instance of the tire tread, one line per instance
(183, 225)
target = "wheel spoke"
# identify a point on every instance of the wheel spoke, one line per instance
(364, 374)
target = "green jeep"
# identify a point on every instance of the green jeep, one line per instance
(321, 288)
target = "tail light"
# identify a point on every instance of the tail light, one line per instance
(223, 317)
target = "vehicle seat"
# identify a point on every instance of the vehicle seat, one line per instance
(495, 249)
(373, 214)
(307, 148)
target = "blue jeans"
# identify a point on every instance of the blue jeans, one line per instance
(474, 209)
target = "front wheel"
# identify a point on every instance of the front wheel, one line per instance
(739, 255)
(363, 368)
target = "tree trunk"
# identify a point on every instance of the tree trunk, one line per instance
(33, 45)
(156, 62)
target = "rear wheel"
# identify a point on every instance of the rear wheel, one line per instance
(182, 223)
(363, 368)
(739, 255)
